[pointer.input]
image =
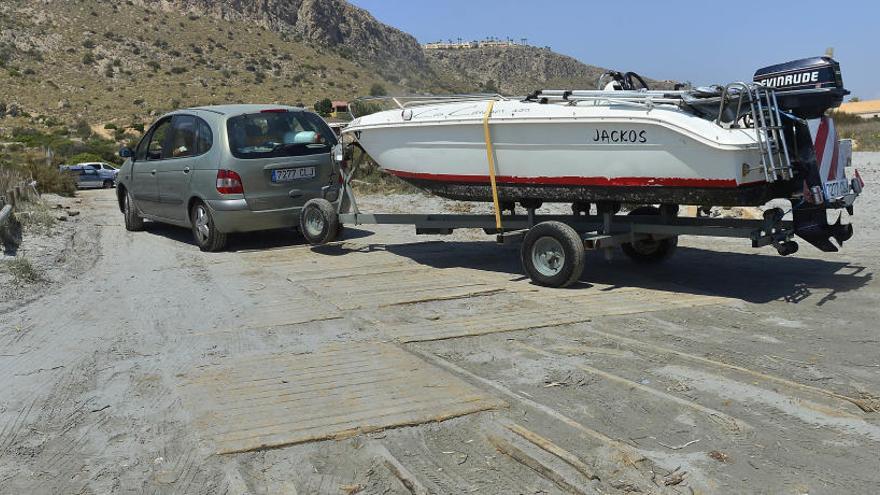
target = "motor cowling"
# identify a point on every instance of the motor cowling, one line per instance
(807, 88)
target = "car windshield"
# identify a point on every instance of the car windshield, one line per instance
(278, 133)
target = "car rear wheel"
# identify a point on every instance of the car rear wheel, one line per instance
(318, 222)
(205, 233)
(133, 221)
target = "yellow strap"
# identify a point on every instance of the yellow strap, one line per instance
(491, 155)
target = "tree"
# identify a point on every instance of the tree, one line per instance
(324, 107)
(855, 99)
(377, 90)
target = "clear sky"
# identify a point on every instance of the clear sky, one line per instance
(686, 40)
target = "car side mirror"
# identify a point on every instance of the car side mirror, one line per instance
(126, 152)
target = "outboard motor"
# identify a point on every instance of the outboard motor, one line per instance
(807, 89)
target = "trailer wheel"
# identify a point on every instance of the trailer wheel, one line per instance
(552, 254)
(318, 221)
(649, 251)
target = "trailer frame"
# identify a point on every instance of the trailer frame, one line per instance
(604, 230)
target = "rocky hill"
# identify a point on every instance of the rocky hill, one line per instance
(333, 24)
(122, 62)
(516, 70)
(79, 60)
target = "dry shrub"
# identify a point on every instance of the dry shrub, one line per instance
(9, 177)
(33, 166)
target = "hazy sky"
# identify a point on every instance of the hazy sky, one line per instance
(686, 40)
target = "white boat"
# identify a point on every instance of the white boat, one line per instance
(630, 146)
(742, 144)
(596, 150)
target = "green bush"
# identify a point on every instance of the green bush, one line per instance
(377, 90)
(324, 107)
(84, 157)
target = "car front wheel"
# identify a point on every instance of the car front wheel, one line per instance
(205, 233)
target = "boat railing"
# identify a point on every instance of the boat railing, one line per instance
(404, 102)
(642, 98)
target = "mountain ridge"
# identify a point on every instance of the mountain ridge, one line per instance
(79, 60)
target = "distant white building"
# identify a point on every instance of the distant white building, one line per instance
(868, 109)
(468, 45)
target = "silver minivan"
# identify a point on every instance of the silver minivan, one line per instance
(230, 168)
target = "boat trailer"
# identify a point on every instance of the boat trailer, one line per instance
(552, 246)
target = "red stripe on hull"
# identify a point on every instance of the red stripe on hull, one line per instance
(573, 181)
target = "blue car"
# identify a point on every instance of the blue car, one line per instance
(90, 176)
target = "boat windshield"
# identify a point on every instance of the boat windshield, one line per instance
(278, 134)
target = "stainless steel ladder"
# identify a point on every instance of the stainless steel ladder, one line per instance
(767, 123)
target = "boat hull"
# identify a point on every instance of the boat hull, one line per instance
(554, 153)
(745, 195)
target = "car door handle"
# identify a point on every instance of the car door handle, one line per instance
(186, 170)
(153, 172)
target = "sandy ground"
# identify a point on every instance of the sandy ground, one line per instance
(396, 364)
(58, 250)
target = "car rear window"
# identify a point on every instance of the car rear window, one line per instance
(278, 133)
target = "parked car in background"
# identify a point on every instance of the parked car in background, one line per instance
(230, 168)
(87, 176)
(101, 166)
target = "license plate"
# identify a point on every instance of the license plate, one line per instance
(836, 189)
(291, 174)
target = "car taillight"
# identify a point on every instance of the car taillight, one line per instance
(229, 182)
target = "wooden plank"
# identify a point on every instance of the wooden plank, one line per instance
(406, 478)
(551, 447)
(282, 399)
(729, 422)
(473, 325)
(537, 461)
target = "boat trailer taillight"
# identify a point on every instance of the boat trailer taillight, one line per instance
(857, 183)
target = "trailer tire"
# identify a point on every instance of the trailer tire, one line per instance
(649, 251)
(318, 222)
(552, 254)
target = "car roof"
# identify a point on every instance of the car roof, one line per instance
(237, 109)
